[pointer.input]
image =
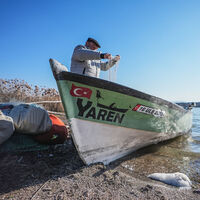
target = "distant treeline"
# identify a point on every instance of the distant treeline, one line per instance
(187, 104)
(16, 90)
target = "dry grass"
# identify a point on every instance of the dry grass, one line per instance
(16, 90)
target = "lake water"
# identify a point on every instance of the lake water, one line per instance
(181, 154)
(194, 144)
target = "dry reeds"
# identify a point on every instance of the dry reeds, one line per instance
(16, 90)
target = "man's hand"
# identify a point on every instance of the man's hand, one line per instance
(116, 58)
(107, 56)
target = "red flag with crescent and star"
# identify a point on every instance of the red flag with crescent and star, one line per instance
(77, 91)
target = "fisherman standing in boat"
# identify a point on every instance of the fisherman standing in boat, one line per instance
(86, 59)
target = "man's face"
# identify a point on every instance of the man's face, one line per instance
(91, 45)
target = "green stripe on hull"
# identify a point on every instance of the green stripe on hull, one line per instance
(105, 106)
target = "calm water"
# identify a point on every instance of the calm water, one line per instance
(181, 154)
(194, 144)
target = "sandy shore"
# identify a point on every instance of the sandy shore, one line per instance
(60, 174)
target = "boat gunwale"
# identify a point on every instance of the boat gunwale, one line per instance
(100, 83)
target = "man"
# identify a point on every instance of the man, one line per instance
(87, 60)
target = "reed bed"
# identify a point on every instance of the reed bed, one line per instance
(16, 90)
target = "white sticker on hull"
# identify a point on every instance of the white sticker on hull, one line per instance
(148, 110)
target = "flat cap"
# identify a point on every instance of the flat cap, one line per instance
(94, 41)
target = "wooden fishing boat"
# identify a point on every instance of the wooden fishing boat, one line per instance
(109, 120)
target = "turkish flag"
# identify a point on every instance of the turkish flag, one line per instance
(136, 107)
(77, 91)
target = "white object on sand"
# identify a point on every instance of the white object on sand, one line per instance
(176, 179)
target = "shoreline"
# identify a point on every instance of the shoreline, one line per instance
(59, 173)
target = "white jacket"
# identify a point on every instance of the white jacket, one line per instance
(88, 62)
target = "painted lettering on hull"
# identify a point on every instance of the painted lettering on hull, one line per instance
(90, 112)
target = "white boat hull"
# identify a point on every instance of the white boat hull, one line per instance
(97, 142)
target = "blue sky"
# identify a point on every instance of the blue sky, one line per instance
(158, 41)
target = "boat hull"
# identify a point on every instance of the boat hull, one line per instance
(109, 142)
(109, 120)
